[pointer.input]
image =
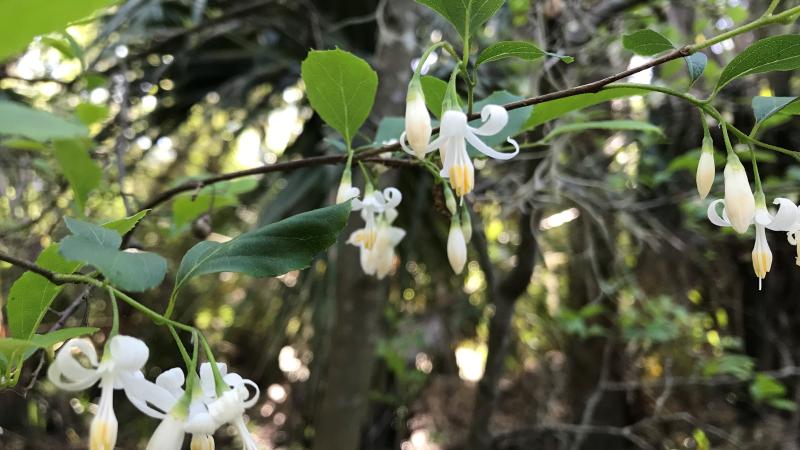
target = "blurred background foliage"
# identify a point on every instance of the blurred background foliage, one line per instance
(599, 309)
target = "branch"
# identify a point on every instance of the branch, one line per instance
(27, 265)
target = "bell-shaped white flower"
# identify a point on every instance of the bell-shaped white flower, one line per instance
(346, 190)
(230, 406)
(378, 239)
(120, 368)
(456, 246)
(783, 220)
(418, 121)
(705, 168)
(739, 200)
(455, 133)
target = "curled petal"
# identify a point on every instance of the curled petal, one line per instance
(128, 353)
(784, 219)
(405, 146)
(256, 393)
(68, 373)
(494, 118)
(434, 144)
(714, 216)
(147, 397)
(57, 377)
(393, 197)
(172, 380)
(356, 205)
(488, 151)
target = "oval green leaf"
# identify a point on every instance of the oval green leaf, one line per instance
(777, 53)
(509, 49)
(646, 42)
(466, 16)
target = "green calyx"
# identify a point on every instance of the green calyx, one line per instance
(451, 101)
(415, 91)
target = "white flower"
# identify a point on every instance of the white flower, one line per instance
(705, 169)
(783, 220)
(454, 134)
(230, 406)
(739, 201)
(169, 433)
(418, 121)
(346, 190)
(456, 246)
(120, 368)
(378, 238)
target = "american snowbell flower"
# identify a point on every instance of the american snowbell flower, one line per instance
(783, 220)
(740, 203)
(346, 190)
(120, 368)
(456, 246)
(705, 168)
(418, 121)
(229, 407)
(378, 239)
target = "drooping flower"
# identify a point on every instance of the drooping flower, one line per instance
(705, 168)
(346, 190)
(739, 200)
(120, 368)
(456, 246)
(783, 220)
(229, 407)
(418, 121)
(378, 239)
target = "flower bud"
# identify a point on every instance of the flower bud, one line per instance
(418, 121)
(705, 168)
(346, 190)
(456, 246)
(740, 203)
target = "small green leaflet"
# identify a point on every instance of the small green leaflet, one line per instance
(268, 251)
(625, 125)
(777, 53)
(34, 17)
(696, 65)
(20, 120)
(89, 113)
(31, 295)
(509, 49)
(646, 42)
(554, 109)
(467, 16)
(78, 168)
(765, 107)
(341, 88)
(129, 270)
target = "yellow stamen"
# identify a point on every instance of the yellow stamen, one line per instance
(462, 180)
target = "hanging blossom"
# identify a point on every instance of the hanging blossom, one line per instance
(120, 368)
(188, 415)
(783, 220)
(346, 190)
(229, 407)
(705, 168)
(378, 239)
(455, 133)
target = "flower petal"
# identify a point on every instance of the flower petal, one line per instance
(143, 394)
(128, 353)
(405, 146)
(207, 378)
(784, 219)
(713, 215)
(488, 151)
(172, 380)
(393, 197)
(57, 377)
(494, 118)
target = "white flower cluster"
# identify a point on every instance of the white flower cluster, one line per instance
(198, 406)
(741, 208)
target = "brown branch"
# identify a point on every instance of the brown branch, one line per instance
(27, 265)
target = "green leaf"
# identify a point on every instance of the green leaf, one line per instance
(509, 49)
(740, 366)
(765, 107)
(89, 113)
(13, 350)
(696, 65)
(556, 108)
(465, 15)
(187, 207)
(20, 120)
(62, 45)
(765, 387)
(341, 88)
(129, 270)
(646, 42)
(390, 129)
(23, 20)
(777, 53)
(269, 251)
(434, 90)
(31, 295)
(626, 125)
(23, 144)
(78, 168)
(782, 403)
(701, 439)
